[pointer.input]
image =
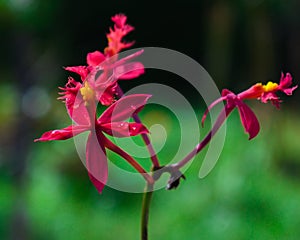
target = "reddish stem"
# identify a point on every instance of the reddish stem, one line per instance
(220, 120)
(111, 146)
(145, 137)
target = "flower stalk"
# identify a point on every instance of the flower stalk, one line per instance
(145, 137)
(99, 84)
(147, 197)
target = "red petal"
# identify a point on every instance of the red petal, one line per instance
(225, 92)
(74, 102)
(83, 71)
(119, 20)
(129, 70)
(107, 98)
(127, 58)
(289, 91)
(265, 97)
(123, 129)
(95, 58)
(116, 34)
(96, 162)
(285, 83)
(249, 120)
(62, 134)
(106, 95)
(124, 108)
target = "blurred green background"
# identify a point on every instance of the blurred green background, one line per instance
(254, 190)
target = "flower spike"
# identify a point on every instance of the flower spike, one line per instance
(111, 122)
(264, 93)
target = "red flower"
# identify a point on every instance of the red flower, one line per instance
(257, 91)
(115, 37)
(268, 91)
(111, 122)
(104, 70)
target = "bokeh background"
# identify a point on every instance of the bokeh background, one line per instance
(252, 193)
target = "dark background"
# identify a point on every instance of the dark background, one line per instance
(45, 193)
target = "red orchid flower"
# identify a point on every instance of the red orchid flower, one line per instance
(111, 122)
(110, 68)
(115, 37)
(264, 93)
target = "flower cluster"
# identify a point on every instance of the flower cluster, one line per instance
(98, 83)
(264, 93)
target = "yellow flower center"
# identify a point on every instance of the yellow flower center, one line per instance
(87, 93)
(270, 86)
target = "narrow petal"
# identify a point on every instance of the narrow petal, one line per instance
(226, 92)
(62, 134)
(285, 83)
(124, 108)
(129, 70)
(128, 58)
(119, 20)
(107, 97)
(96, 162)
(270, 96)
(249, 120)
(74, 102)
(123, 129)
(95, 58)
(115, 36)
(289, 91)
(82, 71)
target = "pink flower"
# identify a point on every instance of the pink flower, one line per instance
(258, 91)
(111, 122)
(115, 36)
(104, 70)
(268, 92)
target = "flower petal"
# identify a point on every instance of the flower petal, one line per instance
(115, 36)
(129, 70)
(82, 71)
(96, 162)
(123, 129)
(125, 59)
(107, 97)
(124, 108)
(270, 96)
(285, 83)
(62, 134)
(119, 20)
(289, 91)
(249, 120)
(95, 58)
(74, 102)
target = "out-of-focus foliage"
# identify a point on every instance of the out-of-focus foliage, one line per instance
(252, 193)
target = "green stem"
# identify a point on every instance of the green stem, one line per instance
(147, 197)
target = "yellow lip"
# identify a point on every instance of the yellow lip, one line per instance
(87, 93)
(270, 86)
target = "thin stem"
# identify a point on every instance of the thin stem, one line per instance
(147, 197)
(145, 137)
(220, 120)
(148, 143)
(111, 146)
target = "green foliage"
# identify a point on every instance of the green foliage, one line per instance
(250, 194)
